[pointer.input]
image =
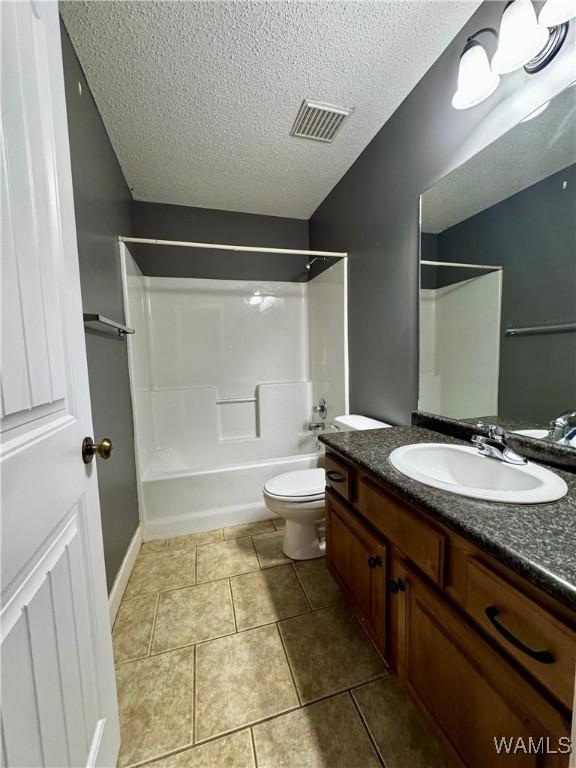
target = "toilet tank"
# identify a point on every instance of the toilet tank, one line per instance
(354, 422)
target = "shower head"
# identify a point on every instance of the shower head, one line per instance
(316, 258)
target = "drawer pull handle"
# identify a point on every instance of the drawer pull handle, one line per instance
(334, 476)
(544, 657)
(374, 561)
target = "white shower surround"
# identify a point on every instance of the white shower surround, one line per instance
(460, 347)
(224, 374)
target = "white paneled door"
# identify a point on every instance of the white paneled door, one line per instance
(58, 692)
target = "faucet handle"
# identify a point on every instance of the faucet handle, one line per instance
(321, 409)
(496, 432)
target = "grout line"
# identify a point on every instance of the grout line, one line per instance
(194, 698)
(244, 726)
(251, 725)
(366, 726)
(231, 576)
(191, 645)
(156, 609)
(233, 606)
(302, 588)
(253, 747)
(289, 665)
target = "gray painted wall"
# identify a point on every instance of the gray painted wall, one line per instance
(102, 205)
(178, 222)
(533, 236)
(373, 212)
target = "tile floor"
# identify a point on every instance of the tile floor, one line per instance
(229, 654)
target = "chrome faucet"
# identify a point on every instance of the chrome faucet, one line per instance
(495, 446)
(561, 426)
(317, 427)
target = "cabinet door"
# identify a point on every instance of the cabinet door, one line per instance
(473, 695)
(357, 560)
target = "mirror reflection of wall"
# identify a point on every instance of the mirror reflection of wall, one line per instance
(498, 337)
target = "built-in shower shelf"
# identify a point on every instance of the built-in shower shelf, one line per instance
(94, 317)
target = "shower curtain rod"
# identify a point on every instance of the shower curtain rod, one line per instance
(222, 247)
(456, 264)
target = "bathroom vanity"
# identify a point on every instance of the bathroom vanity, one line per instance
(472, 603)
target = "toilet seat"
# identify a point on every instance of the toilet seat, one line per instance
(302, 486)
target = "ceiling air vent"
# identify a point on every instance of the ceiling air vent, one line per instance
(318, 121)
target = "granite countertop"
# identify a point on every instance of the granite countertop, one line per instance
(536, 541)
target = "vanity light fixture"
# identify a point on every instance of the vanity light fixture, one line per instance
(557, 12)
(521, 38)
(523, 41)
(476, 81)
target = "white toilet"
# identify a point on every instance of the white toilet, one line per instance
(298, 497)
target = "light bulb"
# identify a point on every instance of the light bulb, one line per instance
(520, 37)
(476, 81)
(556, 12)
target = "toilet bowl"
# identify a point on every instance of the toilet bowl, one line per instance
(298, 497)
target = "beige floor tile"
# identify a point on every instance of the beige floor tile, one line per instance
(248, 529)
(266, 596)
(155, 696)
(241, 679)
(328, 652)
(320, 587)
(193, 614)
(154, 573)
(194, 539)
(234, 751)
(400, 732)
(269, 549)
(329, 734)
(133, 628)
(226, 558)
(279, 523)
(152, 547)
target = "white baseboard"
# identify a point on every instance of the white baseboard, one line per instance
(206, 521)
(121, 580)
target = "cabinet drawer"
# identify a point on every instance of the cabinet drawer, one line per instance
(420, 542)
(339, 477)
(544, 646)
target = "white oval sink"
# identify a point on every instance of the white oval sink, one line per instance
(540, 434)
(462, 470)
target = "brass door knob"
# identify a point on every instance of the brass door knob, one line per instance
(90, 448)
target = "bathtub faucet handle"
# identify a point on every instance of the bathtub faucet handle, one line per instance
(321, 409)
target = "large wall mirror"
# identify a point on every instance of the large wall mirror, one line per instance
(498, 279)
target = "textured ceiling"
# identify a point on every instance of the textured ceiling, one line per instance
(199, 97)
(530, 152)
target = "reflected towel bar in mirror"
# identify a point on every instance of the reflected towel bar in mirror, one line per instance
(122, 330)
(539, 329)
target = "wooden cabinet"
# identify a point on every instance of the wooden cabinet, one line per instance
(473, 695)
(421, 542)
(422, 594)
(357, 559)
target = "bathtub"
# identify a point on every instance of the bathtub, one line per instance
(179, 502)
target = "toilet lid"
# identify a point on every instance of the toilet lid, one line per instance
(305, 482)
